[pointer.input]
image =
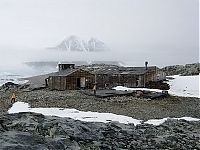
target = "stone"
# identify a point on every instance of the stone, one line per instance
(36, 131)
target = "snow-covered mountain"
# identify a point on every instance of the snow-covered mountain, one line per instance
(74, 43)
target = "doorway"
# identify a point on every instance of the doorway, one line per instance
(78, 82)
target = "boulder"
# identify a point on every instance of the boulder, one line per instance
(34, 131)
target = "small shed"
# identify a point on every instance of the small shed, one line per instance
(70, 79)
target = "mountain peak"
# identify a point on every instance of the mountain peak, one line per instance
(74, 43)
(72, 37)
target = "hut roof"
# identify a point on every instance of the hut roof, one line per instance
(65, 72)
(135, 68)
(136, 72)
(107, 71)
(122, 70)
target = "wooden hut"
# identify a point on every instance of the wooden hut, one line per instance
(69, 78)
(127, 76)
(110, 77)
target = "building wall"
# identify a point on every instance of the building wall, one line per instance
(161, 75)
(87, 79)
(151, 74)
(128, 80)
(154, 74)
(131, 80)
(57, 82)
(70, 82)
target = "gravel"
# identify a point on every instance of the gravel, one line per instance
(143, 109)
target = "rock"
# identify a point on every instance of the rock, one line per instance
(9, 85)
(35, 131)
(158, 85)
(185, 70)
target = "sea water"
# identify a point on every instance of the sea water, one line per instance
(11, 77)
(17, 74)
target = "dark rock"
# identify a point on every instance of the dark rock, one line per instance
(9, 85)
(35, 131)
(158, 85)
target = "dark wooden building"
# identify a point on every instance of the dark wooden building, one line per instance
(69, 78)
(127, 76)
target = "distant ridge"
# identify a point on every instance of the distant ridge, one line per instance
(74, 43)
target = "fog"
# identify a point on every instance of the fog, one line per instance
(160, 32)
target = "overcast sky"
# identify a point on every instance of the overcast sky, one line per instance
(162, 32)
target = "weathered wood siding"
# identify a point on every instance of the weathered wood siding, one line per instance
(131, 80)
(57, 82)
(70, 82)
(151, 74)
(154, 74)
(128, 80)
(84, 79)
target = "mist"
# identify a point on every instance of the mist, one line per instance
(160, 32)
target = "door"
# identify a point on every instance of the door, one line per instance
(78, 82)
(82, 82)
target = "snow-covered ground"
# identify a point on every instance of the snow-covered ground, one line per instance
(73, 113)
(86, 116)
(187, 86)
(180, 86)
(160, 121)
(122, 88)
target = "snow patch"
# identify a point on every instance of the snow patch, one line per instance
(87, 116)
(157, 122)
(186, 86)
(122, 88)
(73, 113)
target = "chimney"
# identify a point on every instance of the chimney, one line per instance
(146, 63)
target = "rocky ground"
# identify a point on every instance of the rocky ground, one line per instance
(4, 106)
(185, 70)
(31, 131)
(137, 108)
(34, 131)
